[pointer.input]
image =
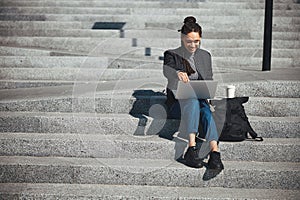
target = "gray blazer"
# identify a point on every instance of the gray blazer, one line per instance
(173, 62)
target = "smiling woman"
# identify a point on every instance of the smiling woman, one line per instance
(191, 41)
(187, 63)
(191, 33)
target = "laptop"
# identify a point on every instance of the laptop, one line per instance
(196, 89)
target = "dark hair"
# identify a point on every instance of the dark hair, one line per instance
(190, 25)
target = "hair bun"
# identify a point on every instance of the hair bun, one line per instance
(189, 19)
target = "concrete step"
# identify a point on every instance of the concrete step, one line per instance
(230, 63)
(271, 88)
(138, 53)
(54, 61)
(232, 1)
(85, 99)
(220, 74)
(45, 25)
(147, 4)
(134, 21)
(221, 26)
(15, 84)
(261, 87)
(14, 57)
(210, 33)
(218, 26)
(60, 33)
(127, 33)
(64, 10)
(95, 46)
(133, 4)
(125, 124)
(288, 28)
(80, 62)
(220, 69)
(225, 64)
(237, 174)
(272, 107)
(287, 35)
(264, 86)
(214, 34)
(141, 11)
(143, 147)
(154, 20)
(17, 51)
(90, 46)
(29, 51)
(112, 192)
(260, 1)
(132, 59)
(71, 74)
(170, 28)
(225, 54)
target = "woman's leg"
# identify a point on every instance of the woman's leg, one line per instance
(190, 116)
(208, 125)
(211, 135)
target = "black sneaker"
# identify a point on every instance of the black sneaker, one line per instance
(215, 162)
(192, 158)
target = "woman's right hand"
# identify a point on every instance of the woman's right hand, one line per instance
(183, 77)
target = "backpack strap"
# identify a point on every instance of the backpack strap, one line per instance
(253, 134)
(258, 139)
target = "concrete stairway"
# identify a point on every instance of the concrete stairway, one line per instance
(81, 109)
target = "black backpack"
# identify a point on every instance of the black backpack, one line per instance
(231, 120)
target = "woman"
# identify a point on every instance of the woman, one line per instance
(188, 63)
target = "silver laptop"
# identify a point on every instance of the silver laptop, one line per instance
(196, 89)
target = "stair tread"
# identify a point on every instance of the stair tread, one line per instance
(141, 192)
(126, 138)
(119, 115)
(141, 165)
(60, 92)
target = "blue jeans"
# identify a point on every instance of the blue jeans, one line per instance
(191, 112)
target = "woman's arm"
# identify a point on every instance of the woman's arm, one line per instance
(171, 69)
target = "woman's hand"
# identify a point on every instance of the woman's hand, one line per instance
(183, 77)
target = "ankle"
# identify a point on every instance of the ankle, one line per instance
(192, 139)
(214, 146)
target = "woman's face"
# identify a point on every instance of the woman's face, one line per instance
(191, 41)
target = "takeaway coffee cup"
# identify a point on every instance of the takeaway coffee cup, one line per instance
(230, 90)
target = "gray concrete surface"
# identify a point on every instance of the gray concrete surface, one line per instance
(112, 192)
(56, 130)
(237, 174)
